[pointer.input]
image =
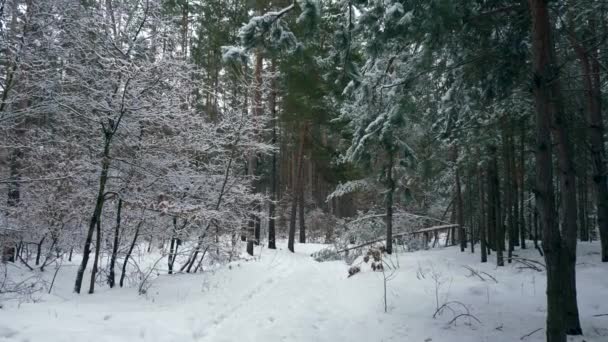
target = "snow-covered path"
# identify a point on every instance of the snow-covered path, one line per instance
(289, 297)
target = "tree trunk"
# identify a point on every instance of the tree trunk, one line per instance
(171, 256)
(273, 170)
(129, 252)
(498, 228)
(544, 73)
(103, 177)
(390, 187)
(111, 276)
(97, 256)
(459, 204)
(508, 190)
(522, 174)
(482, 224)
(301, 210)
(295, 185)
(39, 249)
(593, 96)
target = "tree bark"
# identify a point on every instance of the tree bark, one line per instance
(544, 73)
(129, 252)
(39, 249)
(482, 224)
(498, 227)
(459, 204)
(593, 96)
(273, 171)
(390, 190)
(96, 260)
(296, 185)
(301, 210)
(522, 174)
(111, 276)
(508, 190)
(103, 178)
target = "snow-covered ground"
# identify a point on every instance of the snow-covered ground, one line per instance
(279, 296)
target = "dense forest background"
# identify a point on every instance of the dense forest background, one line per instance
(189, 125)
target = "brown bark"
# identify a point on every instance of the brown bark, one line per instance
(593, 97)
(545, 93)
(296, 185)
(273, 171)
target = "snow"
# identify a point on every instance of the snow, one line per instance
(279, 296)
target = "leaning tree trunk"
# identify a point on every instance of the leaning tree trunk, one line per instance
(129, 252)
(111, 276)
(103, 178)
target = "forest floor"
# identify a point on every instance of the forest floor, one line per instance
(279, 296)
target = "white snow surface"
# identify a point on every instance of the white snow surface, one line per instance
(279, 296)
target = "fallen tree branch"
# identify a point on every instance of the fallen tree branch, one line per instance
(530, 334)
(464, 315)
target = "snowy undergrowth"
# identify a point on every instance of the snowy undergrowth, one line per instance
(279, 296)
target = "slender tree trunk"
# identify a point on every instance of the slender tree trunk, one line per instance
(97, 256)
(103, 178)
(171, 256)
(390, 187)
(129, 252)
(482, 224)
(508, 190)
(39, 249)
(522, 174)
(273, 171)
(300, 166)
(111, 276)
(499, 231)
(301, 211)
(459, 204)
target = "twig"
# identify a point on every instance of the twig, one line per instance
(489, 275)
(600, 315)
(474, 273)
(533, 264)
(25, 263)
(54, 276)
(464, 315)
(530, 334)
